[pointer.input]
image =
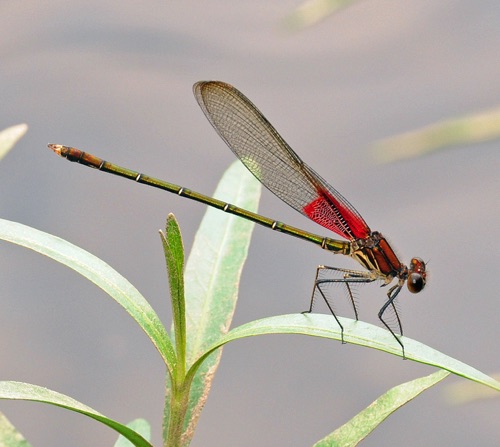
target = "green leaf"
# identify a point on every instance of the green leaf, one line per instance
(174, 257)
(361, 425)
(99, 273)
(25, 391)
(216, 261)
(140, 426)
(176, 394)
(460, 393)
(9, 435)
(212, 277)
(9, 137)
(355, 332)
(470, 129)
(312, 12)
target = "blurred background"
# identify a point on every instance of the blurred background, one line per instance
(114, 78)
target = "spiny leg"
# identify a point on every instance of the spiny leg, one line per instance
(348, 277)
(390, 303)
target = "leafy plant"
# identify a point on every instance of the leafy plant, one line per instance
(203, 295)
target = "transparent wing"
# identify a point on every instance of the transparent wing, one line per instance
(273, 162)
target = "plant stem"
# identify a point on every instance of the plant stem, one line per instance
(179, 401)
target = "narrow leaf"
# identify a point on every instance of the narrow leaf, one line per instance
(312, 12)
(355, 332)
(484, 126)
(9, 435)
(174, 257)
(26, 391)
(212, 277)
(216, 260)
(460, 393)
(10, 136)
(99, 273)
(140, 426)
(361, 425)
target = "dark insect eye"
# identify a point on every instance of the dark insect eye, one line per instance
(415, 282)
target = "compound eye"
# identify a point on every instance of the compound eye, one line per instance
(416, 282)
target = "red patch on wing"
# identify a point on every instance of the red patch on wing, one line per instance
(337, 217)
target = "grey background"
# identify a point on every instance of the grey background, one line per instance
(115, 78)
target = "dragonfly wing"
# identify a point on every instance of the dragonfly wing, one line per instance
(273, 162)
